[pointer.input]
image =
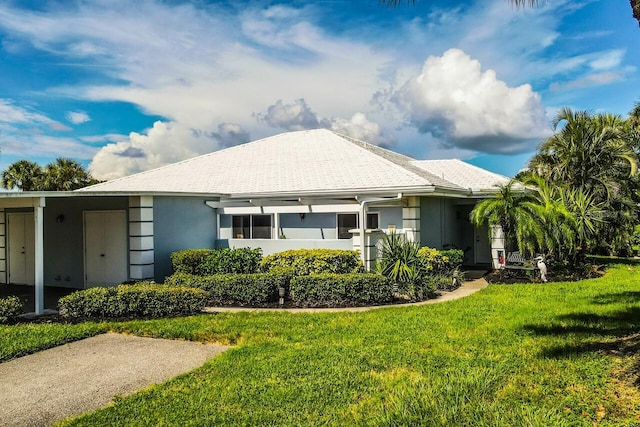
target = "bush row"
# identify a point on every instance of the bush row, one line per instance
(138, 300)
(10, 308)
(314, 261)
(240, 289)
(207, 262)
(330, 290)
(325, 290)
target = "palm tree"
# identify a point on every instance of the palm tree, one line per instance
(65, 175)
(589, 152)
(23, 175)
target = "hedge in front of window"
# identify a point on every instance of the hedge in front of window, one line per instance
(232, 261)
(142, 299)
(190, 261)
(10, 308)
(235, 289)
(315, 261)
(332, 290)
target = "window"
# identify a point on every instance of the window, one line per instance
(348, 222)
(251, 226)
(373, 221)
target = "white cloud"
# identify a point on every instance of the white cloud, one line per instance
(608, 60)
(77, 117)
(164, 143)
(463, 106)
(299, 116)
(11, 113)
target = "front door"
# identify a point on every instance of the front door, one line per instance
(105, 248)
(21, 250)
(482, 246)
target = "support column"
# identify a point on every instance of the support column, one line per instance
(498, 250)
(276, 224)
(411, 219)
(38, 216)
(141, 247)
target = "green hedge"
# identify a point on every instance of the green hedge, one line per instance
(235, 289)
(10, 308)
(314, 261)
(137, 300)
(330, 290)
(232, 261)
(190, 261)
(206, 262)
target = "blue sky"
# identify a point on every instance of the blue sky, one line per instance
(127, 86)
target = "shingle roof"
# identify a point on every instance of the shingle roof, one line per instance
(304, 162)
(463, 174)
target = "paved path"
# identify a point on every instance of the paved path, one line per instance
(466, 289)
(38, 389)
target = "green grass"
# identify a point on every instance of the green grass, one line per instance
(540, 355)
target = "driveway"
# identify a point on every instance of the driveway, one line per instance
(38, 389)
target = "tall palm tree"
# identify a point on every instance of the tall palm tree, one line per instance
(589, 152)
(23, 175)
(65, 175)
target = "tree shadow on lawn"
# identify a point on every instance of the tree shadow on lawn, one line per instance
(616, 333)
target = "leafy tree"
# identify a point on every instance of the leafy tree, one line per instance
(23, 175)
(60, 175)
(65, 175)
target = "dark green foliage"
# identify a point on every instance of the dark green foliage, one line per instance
(137, 300)
(314, 261)
(454, 257)
(10, 308)
(333, 290)
(205, 262)
(189, 261)
(232, 261)
(234, 289)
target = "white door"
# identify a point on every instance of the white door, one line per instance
(105, 248)
(482, 246)
(21, 234)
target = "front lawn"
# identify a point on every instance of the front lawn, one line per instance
(552, 354)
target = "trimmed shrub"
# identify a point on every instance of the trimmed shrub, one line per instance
(190, 261)
(455, 258)
(314, 261)
(330, 290)
(142, 299)
(232, 261)
(235, 289)
(440, 262)
(10, 308)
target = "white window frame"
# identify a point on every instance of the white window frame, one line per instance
(233, 235)
(377, 214)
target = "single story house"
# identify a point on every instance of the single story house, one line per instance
(306, 189)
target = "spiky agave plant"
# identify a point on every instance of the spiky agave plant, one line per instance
(398, 258)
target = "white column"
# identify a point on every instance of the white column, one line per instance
(38, 214)
(498, 250)
(411, 219)
(276, 224)
(141, 247)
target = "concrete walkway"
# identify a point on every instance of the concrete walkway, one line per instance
(74, 378)
(466, 289)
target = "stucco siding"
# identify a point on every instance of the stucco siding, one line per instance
(64, 242)
(180, 223)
